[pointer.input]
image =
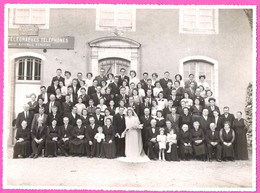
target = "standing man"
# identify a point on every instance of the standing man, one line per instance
(226, 116)
(65, 136)
(44, 96)
(164, 81)
(123, 77)
(58, 77)
(191, 79)
(25, 115)
(101, 77)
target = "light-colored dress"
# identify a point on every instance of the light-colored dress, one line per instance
(162, 141)
(133, 142)
(80, 107)
(171, 138)
(99, 137)
(68, 81)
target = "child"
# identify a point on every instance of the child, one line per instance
(161, 139)
(171, 139)
(99, 137)
(80, 106)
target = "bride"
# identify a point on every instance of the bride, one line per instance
(133, 140)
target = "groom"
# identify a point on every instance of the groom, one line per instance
(119, 124)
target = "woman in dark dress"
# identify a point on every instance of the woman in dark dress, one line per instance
(52, 139)
(171, 145)
(227, 137)
(160, 121)
(108, 149)
(77, 144)
(185, 143)
(185, 118)
(240, 145)
(198, 139)
(196, 110)
(22, 145)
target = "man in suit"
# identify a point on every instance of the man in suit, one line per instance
(75, 87)
(97, 95)
(58, 77)
(91, 108)
(67, 105)
(191, 90)
(92, 89)
(191, 79)
(167, 91)
(73, 98)
(174, 118)
(144, 105)
(122, 96)
(65, 136)
(44, 96)
(54, 115)
(84, 96)
(213, 142)
(145, 120)
(79, 78)
(201, 99)
(115, 86)
(99, 119)
(52, 103)
(123, 77)
(101, 77)
(39, 105)
(119, 124)
(149, 95)
(144, 80)
(212, 107)
(218, 120)
(205, 120)
(226, 116)
(52, 89)
(38, 135)
(168, 110)
(26, 115)
(36, 116)
(152, 143)
(164, 81)
(73, 117)
(90, 133)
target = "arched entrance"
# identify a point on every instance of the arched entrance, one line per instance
(114, 52)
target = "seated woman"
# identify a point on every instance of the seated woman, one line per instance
(77, 144)
(196, 110)
(198, 139)
(160, 121)
(108, 146)
(22, 145)
(171, 143)
(227, 137)
(162, 102)
(52, 137)
(38, 135)
(240, 128)
(185, 143)
(188, 101)
(157, 89)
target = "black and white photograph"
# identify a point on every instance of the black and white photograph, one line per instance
(130, 97)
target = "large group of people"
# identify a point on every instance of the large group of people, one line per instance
(121, 116)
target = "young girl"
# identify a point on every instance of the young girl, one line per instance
(171, 139)
(162, 144)
(100, 137)
(102, 106)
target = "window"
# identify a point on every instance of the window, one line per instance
(113, 65)
(199, 67)
(115, 18)
(29, 69)
(29, 16)
(198, 21)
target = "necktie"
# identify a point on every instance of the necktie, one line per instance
(50, 107)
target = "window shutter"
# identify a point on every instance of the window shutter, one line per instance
(107, 17)
(189, 19)
(206, 19)
(22, 16)
(38, 16)
(124, 18)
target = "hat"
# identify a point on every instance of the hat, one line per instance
(210, 99)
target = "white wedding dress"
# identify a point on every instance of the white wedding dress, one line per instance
(133, 142)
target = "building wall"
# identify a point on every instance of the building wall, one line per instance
(162, 47)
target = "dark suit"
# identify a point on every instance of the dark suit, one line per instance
(35, 120)
(114, 88)
(143, 83)
(52, 90)
(166, 111)
(119, 124)
(210, 137)
(59, 79)
(66, 107)
(91, 90)
(211, 111)
(219, 124)
(191, 93)
(56, 103)
(21, 117)
(64, 133)
(142, 106)
(38, 133)
(100, 79)
(146, 124)
(72, 120)
(96, 98)
(100, 121)
(153, 147)
(51, 116)
(164, 82)
(204, 124)
(229, 118)
(167, 92)
(38, 107)
(85, 100)
(43, 97)
(90, 134)
(175, 122)
(187, 84)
